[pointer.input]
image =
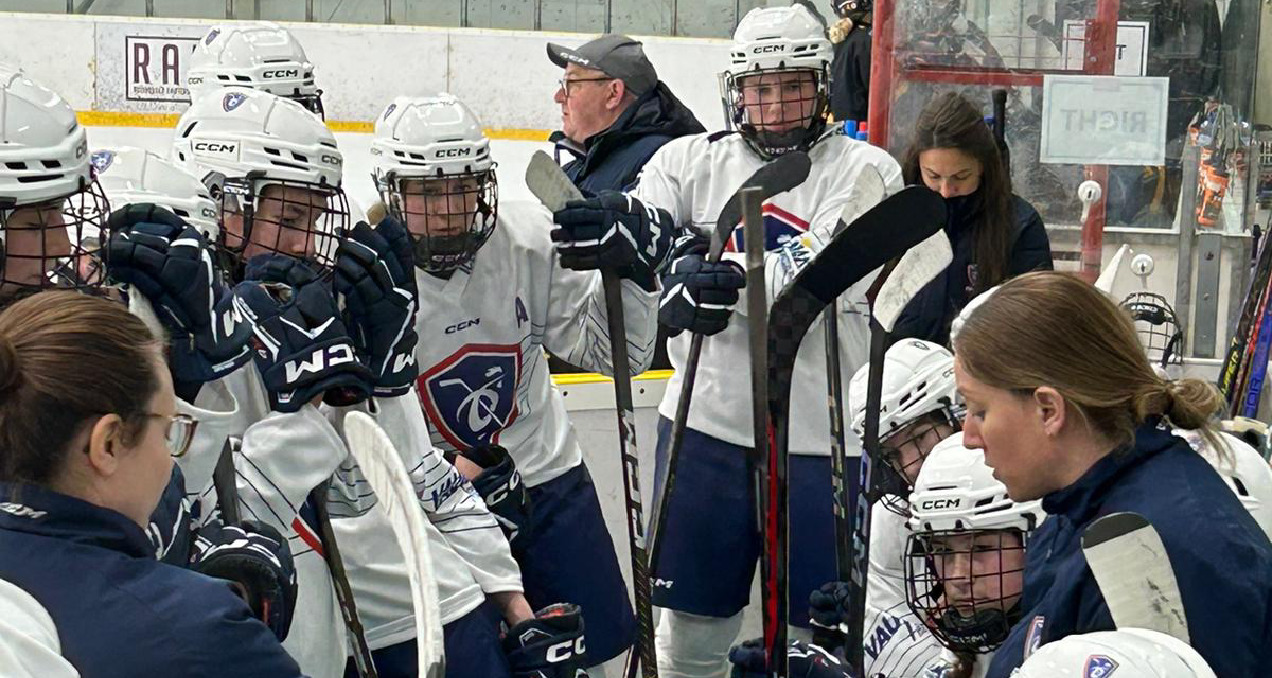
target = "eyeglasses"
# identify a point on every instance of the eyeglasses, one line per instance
(180, 432)
(564, 83)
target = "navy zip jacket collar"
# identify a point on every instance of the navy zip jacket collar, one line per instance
(36, 510)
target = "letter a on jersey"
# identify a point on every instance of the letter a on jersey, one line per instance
(471, 396)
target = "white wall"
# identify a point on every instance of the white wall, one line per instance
(505, 76)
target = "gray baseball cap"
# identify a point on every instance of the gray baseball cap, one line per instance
(617, 56)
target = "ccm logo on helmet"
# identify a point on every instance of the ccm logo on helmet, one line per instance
(939, 504)
(453, 152)
(216, 149)
(284, 73)
(768, 49)
(331, 159)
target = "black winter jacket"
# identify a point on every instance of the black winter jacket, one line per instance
(850, 77)
(610, 160)
(933, 309)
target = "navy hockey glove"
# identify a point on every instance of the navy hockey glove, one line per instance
(549, 646)
(302, 349)
(275, 267)
(698, 295)
(256, 561)
(501, 487)
(827, 611)
(170, 264)
(375, 272)
(804, 660)
(615, 231)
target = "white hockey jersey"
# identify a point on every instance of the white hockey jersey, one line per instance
(897, 643)
(692, 177)
(482, 334)
(283, 456)
(29, 645)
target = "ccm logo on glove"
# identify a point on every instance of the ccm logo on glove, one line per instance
(320, 360)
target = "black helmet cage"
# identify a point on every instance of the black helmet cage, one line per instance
(244, 195)
(770, 144)
(1158, 328)
(984, 627)
(79, 267)
(892, 486)
(442, 254)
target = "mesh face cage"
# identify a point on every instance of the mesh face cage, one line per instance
(760, 100)
(449, 216)
(54, 244)
(893, 486)
(965, 585)
(301, 219)
(1159, 330)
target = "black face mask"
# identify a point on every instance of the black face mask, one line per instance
(963, 208)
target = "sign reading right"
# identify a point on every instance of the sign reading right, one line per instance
(1104, 120)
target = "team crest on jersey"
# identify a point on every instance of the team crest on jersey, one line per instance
(471, 396)
(233, 100)
(100, 160)
(780, 227)
(1099, 666)
(1033, 639)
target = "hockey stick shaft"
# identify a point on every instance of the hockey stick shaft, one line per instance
(340, 580)
(1259, 366)
(1258, 281)
(999, 98)
(764, 457)
(1248, 348)
(642, 590)
(838, 446)
(224, 481)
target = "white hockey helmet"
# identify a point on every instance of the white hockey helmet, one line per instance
(771, 40)
(918, 382)
(44, 165)
(240, 142)
(257, 54)
(957, 491)
(133, 175)
(956, 496)
(1124, 653)
(430, 138)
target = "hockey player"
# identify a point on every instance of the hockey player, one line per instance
(49, 200)
(493, 295)
(965, 558)
(1124, 653)
(775, 91)
(271, 205)
(1075, 417)
(919, 408)
(257, 54)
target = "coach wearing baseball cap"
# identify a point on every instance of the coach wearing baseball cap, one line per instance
(615, 112)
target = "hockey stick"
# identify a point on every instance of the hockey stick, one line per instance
(1258, 368)
(1248, 348)
(868, 190)
(1131, 565)
(882, 234)
(553, 188)
(1236, 346)
(768, 479)
(999, 98)
(781, 175)
(385, 473)
(224, 483)
(340, 581)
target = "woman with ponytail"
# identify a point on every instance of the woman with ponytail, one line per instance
(995, 234)
(1062, 400)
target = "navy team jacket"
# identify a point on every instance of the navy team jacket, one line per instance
(1223, 561)
(120, 613)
